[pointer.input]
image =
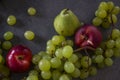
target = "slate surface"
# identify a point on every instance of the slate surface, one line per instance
(42, 25)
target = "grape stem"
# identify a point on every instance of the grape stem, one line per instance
(86, 47)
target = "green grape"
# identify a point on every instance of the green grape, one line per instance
(102, 13)
(29, 35)
(46, 74)
(50, 49)
(55, 62)
(77, 64)
(67, 51)
(110, 5)
(58, 53)
(33, 72)
(47, 56)
(109, 53)
(103, 45)
(86, 61)
(69, 67)
(36, 58)
(61, 67)
(44, 65)
(1, 59)
(106, 24)
(31, 11)
(92, 70)
(112, 18)
(32, 77)
(11, 20)
(103, 5)
(64, 77)
(56, 75)
(76, 73)
(56, 40)
(108, 62)
(110, 43)
(96, 12)
(117, 43)
(101, 65)
(115, 33)
(8, 35)
(70, 42)
(73, 58)
(116, 52)
(49, 42)
(4, 70)
(42, 53)
(84, 74)
(116, 10)
(6, 45)
(99, 58)
(97, 21)
(99, 51)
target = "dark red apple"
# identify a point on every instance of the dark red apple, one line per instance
(88, 35)
(19, 58)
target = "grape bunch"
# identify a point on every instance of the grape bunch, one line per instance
(106, 14)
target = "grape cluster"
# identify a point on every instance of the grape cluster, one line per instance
(106, 14)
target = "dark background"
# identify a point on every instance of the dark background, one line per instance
(42, 25)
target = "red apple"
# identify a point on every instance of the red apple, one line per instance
(19, 58)
(88, 35)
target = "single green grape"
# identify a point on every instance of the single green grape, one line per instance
(116, 10)
(47, 56)
(116, 52)
(110, 43)
(58, 53)
(70, 42)
(109, 52)
(69, 67)
(32, 77)
(77, 64)
(92, 70)
(64, 77)
(36, 58)
(46, 74)
(56, 74)
(8, 35)
(67, 51)
(6, 45)
(108, 61)
(49, 42)
(112, 18)
(73, 58)
(56, 39)
(115, 33)
(29, 35)
(50, 49)
(55, 62)
(44, 65)
(103, 5)
(11, 20)
(97, 21)
(110, 5)
(99, 58)
(84, 73)
(76, 73)
(117, 43)
(31, 11)
(99, 51)
(33, 72)
(102, 13)
(86, 61)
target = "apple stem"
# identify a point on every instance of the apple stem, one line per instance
(86, 47)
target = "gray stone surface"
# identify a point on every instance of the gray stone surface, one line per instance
(42, 25)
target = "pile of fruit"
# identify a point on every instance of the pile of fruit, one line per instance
(77, 51)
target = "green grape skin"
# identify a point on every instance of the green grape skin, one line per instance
(50, 49)
(8, 35)
(109, 52)
(46, 74)
(117, 43)
(84, 74)
(36, 58)
(108, 62)
(112, 19)
(116, 10)
(42, 53)
(77, 64)
(47, 57)
(76, 73)
(29, 35)
(44, 65)
(106, 24)
(110, 5)
(115, 33)
(49, 42)
(99, 58)
(103, 5)
(97, 21)
(102, 13)
(116, 52)
(11, 20)
(6, 45)
(56, 75)
(64, 77)
(69, 67)
(103, 45)
(110, 43)
(31, 11)
(33, 72)
(58, 53)
(67, 51)
(56, 39)
(99, 51)
(86, 61)
(70, 42)
(73, 58)
(32, 77)
(55, 62)
(92, 70)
